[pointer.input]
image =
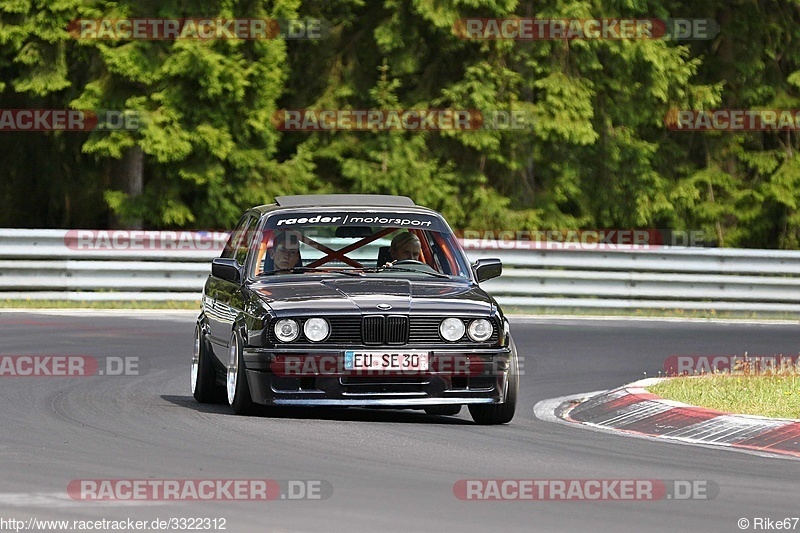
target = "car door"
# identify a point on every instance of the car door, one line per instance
(222, 301)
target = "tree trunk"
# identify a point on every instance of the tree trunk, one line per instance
(127, 175)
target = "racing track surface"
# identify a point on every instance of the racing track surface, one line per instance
(390, 470)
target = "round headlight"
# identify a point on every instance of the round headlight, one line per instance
(316, 329)
(451, 329)
(480, 330)
(286, 330)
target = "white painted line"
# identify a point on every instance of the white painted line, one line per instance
(61, 499)
(634, 413)
(725, 429)
(545, 410)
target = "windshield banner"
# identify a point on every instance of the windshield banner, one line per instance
(351, 218)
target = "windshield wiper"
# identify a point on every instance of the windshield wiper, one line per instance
(312, 269)
(413, 271)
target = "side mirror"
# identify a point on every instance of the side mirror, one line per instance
(487, 269)
(227, 269)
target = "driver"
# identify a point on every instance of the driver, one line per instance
(405, 246)
(285, 251)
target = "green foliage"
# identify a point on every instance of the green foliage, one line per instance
(593, 152)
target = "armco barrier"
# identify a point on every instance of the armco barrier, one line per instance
(39, 264)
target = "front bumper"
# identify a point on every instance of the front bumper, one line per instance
(456, 377)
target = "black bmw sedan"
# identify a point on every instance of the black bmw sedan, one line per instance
(352, 300)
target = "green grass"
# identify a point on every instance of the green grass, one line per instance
(111, 304)
(651, 313)
(765, 395)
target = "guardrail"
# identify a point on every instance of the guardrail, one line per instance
(51, 264)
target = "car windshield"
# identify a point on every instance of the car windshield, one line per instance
(380, 244)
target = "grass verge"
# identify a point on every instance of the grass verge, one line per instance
(775, 396)
(110, 304)
(650, 313)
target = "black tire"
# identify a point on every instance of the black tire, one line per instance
(500, 413)
(204, 380)
(237, 388)
(443, 410)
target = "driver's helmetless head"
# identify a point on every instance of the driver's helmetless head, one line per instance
(405, 246)
(285, 250)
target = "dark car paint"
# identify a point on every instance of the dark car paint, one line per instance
(225, 302)
(249, 306)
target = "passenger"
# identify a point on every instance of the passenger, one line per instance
(405, 246)
(285, 252)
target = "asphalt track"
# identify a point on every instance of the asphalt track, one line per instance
(389, 470)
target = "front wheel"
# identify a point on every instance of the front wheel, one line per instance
(500, 413)
(204, 380)
(237, 387)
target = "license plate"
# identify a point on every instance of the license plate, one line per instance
(354, 360)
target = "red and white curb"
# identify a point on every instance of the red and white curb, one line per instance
(631, 409)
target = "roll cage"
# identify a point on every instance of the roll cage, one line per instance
(436, 250)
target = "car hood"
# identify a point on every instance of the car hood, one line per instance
(364, 296)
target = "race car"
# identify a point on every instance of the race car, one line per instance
(352, 301)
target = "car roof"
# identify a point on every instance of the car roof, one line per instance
(320, 200)
(340, 200)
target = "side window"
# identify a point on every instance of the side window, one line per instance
(236, 247)
(243, 243)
